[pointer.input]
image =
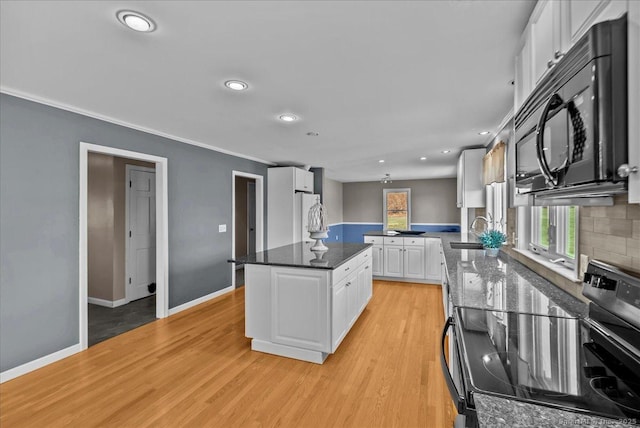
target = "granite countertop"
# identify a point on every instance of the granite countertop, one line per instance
(498, 283)
(300, 255)
(504, 284)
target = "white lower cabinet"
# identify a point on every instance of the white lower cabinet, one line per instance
(415, 258)
(302, 312)
(433, 249)
(350, 297)
(393, 261)
(414, 262)
(376, 260)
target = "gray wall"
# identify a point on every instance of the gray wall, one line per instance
(332, 200)
(39, 173)
(432, 201)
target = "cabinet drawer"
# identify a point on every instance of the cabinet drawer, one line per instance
(363, 257)
(392, 241)
(413, 242)
(343, 271)
(376, 240)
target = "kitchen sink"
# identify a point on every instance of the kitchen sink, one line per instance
(466, 245)
(409, 232)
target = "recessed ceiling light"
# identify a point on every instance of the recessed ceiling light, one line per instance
(484, 133)
(381, 161)
(236, 85)
(423, 158)
(446, 151)
(288, 117)
(136, 21)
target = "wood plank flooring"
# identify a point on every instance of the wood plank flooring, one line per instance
(196, 369)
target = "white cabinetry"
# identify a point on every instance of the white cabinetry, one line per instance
(470, 187)
(352, 290)
(548, 42)
(303, 180)
(393, 261)
(415, 258)
(305, 313)
(285, 207)
(433, 259)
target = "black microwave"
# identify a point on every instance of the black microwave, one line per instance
(571, 132)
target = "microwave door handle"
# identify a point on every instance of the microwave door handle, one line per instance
(460, 402)
(542, 161)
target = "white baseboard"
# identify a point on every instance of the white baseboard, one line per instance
(184, 306)
(106, 303)
(39, 363)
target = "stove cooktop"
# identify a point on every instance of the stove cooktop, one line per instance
(560, 362)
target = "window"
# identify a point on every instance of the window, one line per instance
(553, 232)
(397, 209)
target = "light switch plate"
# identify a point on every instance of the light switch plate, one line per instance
(222, 228)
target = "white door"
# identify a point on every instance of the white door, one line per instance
(376, 260)
(141, 216)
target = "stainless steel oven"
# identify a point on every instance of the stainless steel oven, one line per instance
(571, 132)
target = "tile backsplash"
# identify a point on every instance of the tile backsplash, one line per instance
(609, 234)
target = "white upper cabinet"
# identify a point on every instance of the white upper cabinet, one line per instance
(545, 37)
(583, 14)
(522, 80)
(303, 180)
(470, 187)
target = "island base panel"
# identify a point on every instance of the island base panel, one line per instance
(288, 351)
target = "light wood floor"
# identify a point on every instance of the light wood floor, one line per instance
(196, 369)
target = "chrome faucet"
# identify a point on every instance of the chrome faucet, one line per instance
(486, 220)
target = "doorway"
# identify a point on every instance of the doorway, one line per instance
(123, 241)
(247, 218)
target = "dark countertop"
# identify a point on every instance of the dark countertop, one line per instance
(502, 283)
(300, 255)
(498, 283)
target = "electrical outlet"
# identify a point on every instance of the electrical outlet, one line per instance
(222, 228)
(584, 262)
(336, 237)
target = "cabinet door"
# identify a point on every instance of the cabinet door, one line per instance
(542, 37)
(433, 259)
(393, 261)
(377, 257)
(460, 181)
(363, 292)
(582, 15)
(340, 315)
(353, 305)
(522, 79)
(300, 308)
(303, 180)
(414, 262)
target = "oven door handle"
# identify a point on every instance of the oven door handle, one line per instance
(459, 400)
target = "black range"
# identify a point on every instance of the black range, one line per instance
(590, 366)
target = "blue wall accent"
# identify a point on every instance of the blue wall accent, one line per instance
(346, 232)
(336, 232)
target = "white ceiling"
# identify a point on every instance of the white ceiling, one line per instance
(392, 80)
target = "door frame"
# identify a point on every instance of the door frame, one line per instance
(259, 216)
(127, 192)
(162, 231)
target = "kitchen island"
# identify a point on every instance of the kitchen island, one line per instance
(301, 304)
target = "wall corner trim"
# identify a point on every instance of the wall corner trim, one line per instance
(195, 302)
(39, 363)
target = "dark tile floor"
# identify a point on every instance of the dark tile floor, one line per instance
(240, 278)
(105, 323)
